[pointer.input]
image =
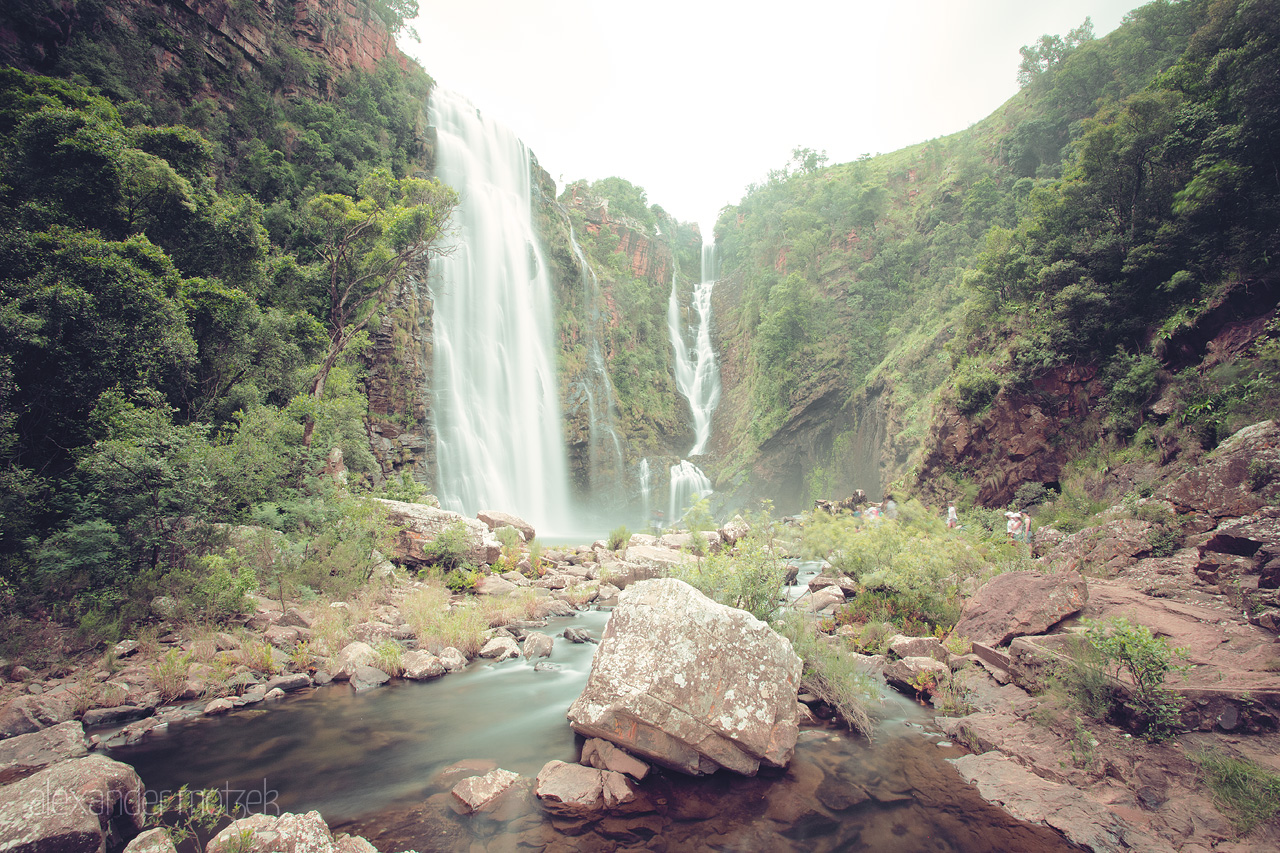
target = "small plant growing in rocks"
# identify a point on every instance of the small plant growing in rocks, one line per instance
(1133, 651)
(169, 673)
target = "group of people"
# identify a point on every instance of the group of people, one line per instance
(1017, 524)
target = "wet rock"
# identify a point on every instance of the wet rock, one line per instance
(453, 660)
(219, 706)
(538, 645)
(574, 791)
(288, 682)
(500, 648)
(914, 673)
(652, 693)
(368, 677)
(479, 793)
(419, 665)
(25, 754)
(72, 807)
(494, 520)
(1018, 604)
(578, 635)
(603, 755)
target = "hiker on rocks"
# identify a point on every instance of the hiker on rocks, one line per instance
(1026, 527)
(953, 519)
(1014, 525)
(890, 507)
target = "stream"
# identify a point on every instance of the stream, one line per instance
(376, 764)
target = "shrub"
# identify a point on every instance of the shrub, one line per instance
(389, 656)
(832, 674)
(450, 548)
(976, 386)
(462, 579)
(1132, 650)
(1030, 494)
(438, 625)
(619, 537)
(170, 673)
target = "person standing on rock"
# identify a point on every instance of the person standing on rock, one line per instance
(1013, 526)
(953, 519)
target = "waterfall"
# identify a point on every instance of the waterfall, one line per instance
(697, 374)
(496, 398)
(596, 391)
(646, 488)
(687, 484)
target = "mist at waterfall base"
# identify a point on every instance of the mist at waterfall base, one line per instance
(373, 765)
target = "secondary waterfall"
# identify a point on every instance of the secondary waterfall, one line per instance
(646, 488)
(697, 373)
(688, 483)
(495, 398)
(594, 391)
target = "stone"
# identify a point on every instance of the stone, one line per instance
(1110, 547)
(124, 649)
(353, 655)
(1017, 604)
(538, 645)
(655, 558)
(25, 754)
(286, 833)
(421, 524)
(218, 706)
(478, 793)
(281, 637)
(578, 635)
(155, 840)
(453, 660)
(824, 600)
(500, 649)
(295, 618)
(914, 647)
(117, 714)
(494, 585)
(72, 807)
(734, 530)
(27, 713)
(603, 755)
(288, 682)
(912, 673)
(1221, 485)
(368, 677)
(164, 606)
(274, 694)
(652, 692)
(421, 665)
(570, 790)
(494, 520)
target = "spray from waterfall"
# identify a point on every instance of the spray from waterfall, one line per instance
(496, 405)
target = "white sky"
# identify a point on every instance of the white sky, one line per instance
(694, 100)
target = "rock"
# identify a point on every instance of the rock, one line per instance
(218, 706)
(373, 632)
(28, 713)
(553, 607)
(286, 833)
(652, 692)
(110, 716)
(295, 618)
(354, 654)
(164, 606)
(825, 600)
(1222, 485)
(419, 665)
(500, 648)
(274, 694)
(1018, 604)
(422, 524)
(72, 807)
(655, 558)
(494, 520)
(603, 755)
(1005, 783)
(478, 793)
(155, 840)
(368, 677)
(578, 635)
(494, 585)
(538, 645)
(911, 674)
(25, 754)
(914, 647)
(734, 530)
(1110, 547)
(452, 659)
(288, 682)
(281, 637)
(571, 790)
(516, 578)
(642, 539)
(124, 649)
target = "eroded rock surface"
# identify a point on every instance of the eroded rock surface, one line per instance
(1016, 604)
(691, 684)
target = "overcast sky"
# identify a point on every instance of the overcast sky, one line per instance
(694, 100)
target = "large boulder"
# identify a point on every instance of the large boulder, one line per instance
(655, 558)
(32, 712)
(286, 833)
(1019, 604)
(26, 754)
(691, 684)
(422, 524)
(494, 520)
(1111, 547)
(76, 806)
(1238, 478)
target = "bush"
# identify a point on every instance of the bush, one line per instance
(618, 538)
(832, 674)
(1132, 650)
(976, 387)
(450, 548)
(751, 579)
(439, 626)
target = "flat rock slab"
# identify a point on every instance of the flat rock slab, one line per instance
(478, 793)
(1017, 604)
(1007, 784)
(691, 684)
(71, 807)
(26, 754)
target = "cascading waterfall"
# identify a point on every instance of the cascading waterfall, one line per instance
(688, 483)
(495, 402)
(646, 488)
(698, 380)
(595, 391)
(697, 373)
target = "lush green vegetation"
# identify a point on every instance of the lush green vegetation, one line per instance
(1247, 791)
(193, 257)
(1128, 190)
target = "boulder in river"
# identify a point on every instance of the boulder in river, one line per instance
(691, 684)
(72, 806)
(479, 793)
